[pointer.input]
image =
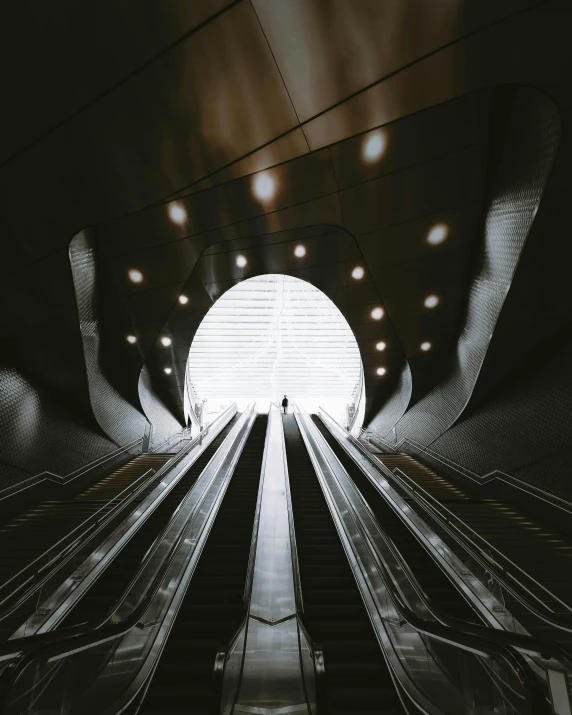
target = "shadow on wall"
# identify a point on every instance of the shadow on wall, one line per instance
(532, 137)
(42, 433)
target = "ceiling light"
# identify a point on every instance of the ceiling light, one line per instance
(299, 251)
(131, 339)
(377, 313)
(380, 346)
(426, 346)
(177, 214)
(381, 371)
(165, 341)
(183, 300)
(358, 273)
(241, 261)
(168, 370)
(431, 301)
(135, 275)
(264, 187)
(437, 234)
(373, 146)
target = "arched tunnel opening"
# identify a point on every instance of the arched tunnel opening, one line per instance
(273, 336)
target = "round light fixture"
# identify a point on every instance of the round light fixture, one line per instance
(431, 301)
(264, 187)
(165, 341)
(183, 300)
(381, 371)
(177, 214)
(358, 273)
(241, 261)
(437, 234)
(168, 370)
(377, 313)
(380, 346)
(373, 146)
(300, 251)
(425, 346)
(135, 275)
(131, 339)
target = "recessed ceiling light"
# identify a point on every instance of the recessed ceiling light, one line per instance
(380, 346)
(165, 341)
(431, 301)
(168, 370)
(437, 234)
(131, 339)
(299, 251)
(373, 146)
(358, 273)
(426, 346)
(241, 261)
(377, 313)
(135, 275)
(264, 186)
(183, 300)
(177, 214)
(381, 371)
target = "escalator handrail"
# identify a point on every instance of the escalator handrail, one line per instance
(464, 639)
(517, 640)
(88, 523)
(67, 641)
(429, 504)
(152, 483)
(501, 574)
(315, 649)
(88, 532)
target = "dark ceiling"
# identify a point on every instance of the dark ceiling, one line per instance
(114, 108)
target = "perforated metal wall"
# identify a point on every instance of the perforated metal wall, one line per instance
(117, 417)
(531, 143)
(40, 433)
(163, 422)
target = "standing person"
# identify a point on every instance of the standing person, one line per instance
(285, 404)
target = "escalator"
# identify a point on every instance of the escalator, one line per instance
(29, 534)
(539, 550)
(213, 606)
(358, 680)
(435, 584)
(110, 585)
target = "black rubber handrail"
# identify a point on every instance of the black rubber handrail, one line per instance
(471, 637)
(468, 637)
(509, 582)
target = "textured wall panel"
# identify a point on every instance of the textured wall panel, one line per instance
(522, 174)
(525, 431)
(163, 423)
(39, 433)
(117, 417)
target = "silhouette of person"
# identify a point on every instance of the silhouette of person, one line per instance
(285, 404)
